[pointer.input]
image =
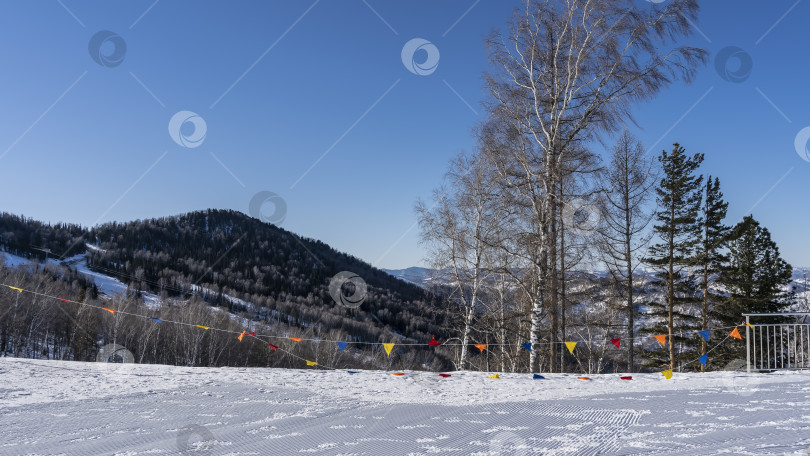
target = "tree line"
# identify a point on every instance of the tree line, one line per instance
(518, 223)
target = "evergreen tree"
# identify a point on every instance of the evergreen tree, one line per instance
(755, 280)
(711, 258)
(677, 226)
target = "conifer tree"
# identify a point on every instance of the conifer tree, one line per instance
(711, 258)
(677, 226)
(755, 279)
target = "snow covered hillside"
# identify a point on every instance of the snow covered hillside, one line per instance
(72, 408)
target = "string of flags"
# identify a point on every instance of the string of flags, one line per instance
(388, 347)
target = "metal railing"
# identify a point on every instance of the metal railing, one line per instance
(776, 346)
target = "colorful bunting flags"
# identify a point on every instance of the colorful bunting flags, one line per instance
(494, 376)
(203, 327)
(571, 346)
(311, 363)
(241, 336)
(272, 346)
(667, 374)
(112, 311)
(735, 334)
(705, 334)
(481, 347)
(538, 377)
(527, 346)
(388, 348)
(662, 339)
(617, 342)
(342, 345)
(433, 342)
(704, 358)
(297, 339)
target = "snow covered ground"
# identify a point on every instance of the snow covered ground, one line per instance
(71, 408)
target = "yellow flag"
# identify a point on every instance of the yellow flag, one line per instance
(311, 363)
(241, 336)
(571, 346)
(749, 325)
(667, 374)
(494, 376)
(388, 348)
(203, 327)
(19, 290)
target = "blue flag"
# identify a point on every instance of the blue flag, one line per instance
(351, 372)
(703, 359)
(342, 345)
(157, 320)
(705, 334)
(527, 346)
(538, 377)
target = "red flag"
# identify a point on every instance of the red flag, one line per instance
(433, 342)
(617, 342)
(272, 346)
(63, 300)
(444, 375)
(251, 334)
(627, 377)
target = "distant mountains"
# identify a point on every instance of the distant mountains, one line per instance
(244, 266)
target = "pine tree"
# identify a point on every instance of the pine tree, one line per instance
(755, 280)
(677, 225)
(711, 258)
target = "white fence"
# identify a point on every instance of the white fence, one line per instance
(775, 346)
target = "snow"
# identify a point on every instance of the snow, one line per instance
(56, 407)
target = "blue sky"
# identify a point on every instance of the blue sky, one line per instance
(311, 101)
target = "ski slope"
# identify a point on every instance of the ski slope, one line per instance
(73, 408)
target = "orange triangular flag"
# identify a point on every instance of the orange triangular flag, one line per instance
(241, 336)
(662, 339)
(667, 374)
(481, 347)
(19, 290)
(388, 348)
(311, 363)
(108, 310)
(297, 339)
(203, 327)
(398, 374)
(571, 346)
(735, 334)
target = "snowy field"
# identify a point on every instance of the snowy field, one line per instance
(71, 408)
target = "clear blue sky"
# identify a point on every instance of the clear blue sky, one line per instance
(280, 84)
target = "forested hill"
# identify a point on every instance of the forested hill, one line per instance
(233, 261)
